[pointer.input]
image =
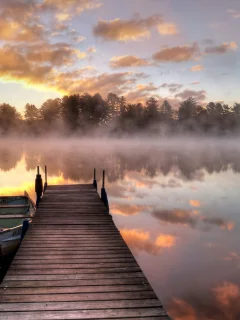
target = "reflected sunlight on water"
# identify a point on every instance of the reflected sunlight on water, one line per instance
(176, 205)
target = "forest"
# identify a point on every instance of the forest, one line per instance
(91, 114)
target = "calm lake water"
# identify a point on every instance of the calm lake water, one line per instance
(176, 203)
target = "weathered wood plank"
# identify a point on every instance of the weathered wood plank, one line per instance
(75, 289)
(89, 250)
(80, 276)
(86, 305)
(80, 242)
(71, 283)
(78, 297)
(84, 314)
(83, 258)
(46, 265)
(53, 260)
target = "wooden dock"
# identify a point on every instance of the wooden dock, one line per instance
(74, 264)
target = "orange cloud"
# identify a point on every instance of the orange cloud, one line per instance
(165, 241)
(139, 240)
(127, 61)
(167, 29)
(58, 54)
(197, 68)
(134, 29)
(221, 49)
(225, 225)
(126, 209)
(177, 54)
(195, 203)
(103, 83)
(195, 82)
(181, 310)
(141, 93)
(227, 293)
(69, 6)
(91, 50)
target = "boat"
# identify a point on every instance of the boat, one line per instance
(13, 211)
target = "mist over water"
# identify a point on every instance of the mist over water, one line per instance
(176, 202)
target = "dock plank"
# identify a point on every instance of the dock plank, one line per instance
(74, 264)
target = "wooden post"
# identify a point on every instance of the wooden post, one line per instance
(103, 179)
(94, 179)
(25, 227)
(45, 184)
(104, 193)
(38, 186)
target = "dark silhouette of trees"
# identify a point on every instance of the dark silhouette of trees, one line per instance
(70, 111)
(83, 114)
(10, 119)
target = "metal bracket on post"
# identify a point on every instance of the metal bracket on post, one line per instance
(38, 187)
(45, 184)
(104, 193)
(94, 179)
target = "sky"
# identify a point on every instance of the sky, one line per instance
(168, 49)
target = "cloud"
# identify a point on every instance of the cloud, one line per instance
(177, 54)
(197, 68)
(19, 30)
(177, 216)
(167, 29)
(227, 225)
(208, 41)
(220, 303)
(233, 256)
(15, 66)
(69, 6)
(134, 29)
(172, 87)
(190, 218)
(234, 13)
(127, 209)
(172, 183)
(195, 203)
(198, 95)
(221, 49)
(92, 49)
(141, 93)
(227, 294)
(195, 83)
(57, 54)
(182, 310)
(103, 83)
(141, 75)
(127, 61)
(139, 240)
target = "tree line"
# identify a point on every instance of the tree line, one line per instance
(84, 114)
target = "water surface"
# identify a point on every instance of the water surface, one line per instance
(176, 203)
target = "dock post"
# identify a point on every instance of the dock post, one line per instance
(94, 179)
(45, 184)
(25, 227)
(104, 193)
(38, 186)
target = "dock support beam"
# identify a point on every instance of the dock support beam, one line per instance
(38, 186)
(94, 179)
(104, 193)
(25, 227)
(45, 184)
